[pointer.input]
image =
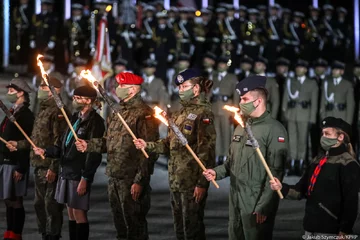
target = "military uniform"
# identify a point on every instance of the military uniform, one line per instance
(195, 121)
(223, 94)
(337, 98)
(126, 165)
(300, 107)
(250, 191)
(313, 37)
(49, 126)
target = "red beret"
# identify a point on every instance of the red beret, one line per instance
(129, 78)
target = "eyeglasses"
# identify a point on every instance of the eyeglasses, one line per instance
(185, 87)
(79, 98)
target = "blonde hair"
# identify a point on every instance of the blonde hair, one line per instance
(347, 142)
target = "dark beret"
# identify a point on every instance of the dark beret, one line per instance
(187, 75)
(332, 122)
(250, 83)
(85, 91)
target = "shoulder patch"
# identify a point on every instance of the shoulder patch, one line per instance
(148, 117)
(281, 139)
(192, 116)
(207, 121)
(60, 116)
(236, 138)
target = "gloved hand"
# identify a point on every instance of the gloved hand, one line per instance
(51, 44)
(32, 44)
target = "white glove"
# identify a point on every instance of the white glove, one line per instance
(70, 68)
(170, 58)
(152, 56)
(51, 45)
(111, 48)
(32, 44)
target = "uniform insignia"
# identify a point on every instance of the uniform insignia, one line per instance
(281, 139)
(324, 122)
(147, 117)
(60, 116)
(238, 91)
(245, 89)
(207, 121)
(192, 116)
(180, 79)
(187, 129)
(236, 138)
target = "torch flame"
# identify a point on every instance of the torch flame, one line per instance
(236, 111)
(108, 8)
(87, 75)
(41, 66)
(158, 115)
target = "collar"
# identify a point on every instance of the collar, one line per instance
(301, 79)
(223, 74)
(162, 26)
(262, 74)
(52, 67)
(337, 80)
(209, 70)
(149, 79)
(253, 121)
(135, 100)
(337, 151)
(230, 18)
(183, 21)
(86, 115)
(48, 103)
(295, 24)
(17, 107)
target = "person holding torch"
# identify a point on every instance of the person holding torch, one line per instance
(188, 188)
(253, 205)
(127, 168)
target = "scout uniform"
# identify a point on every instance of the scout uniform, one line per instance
(49, 126)
(18, 161)
(223, 94)
(195, 121)
(249, 190)
(126, 165)
(337, 98)
(299, 106)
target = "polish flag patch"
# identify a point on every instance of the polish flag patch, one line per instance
(281, 139)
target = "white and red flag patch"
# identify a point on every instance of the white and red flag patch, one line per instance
(281, 139)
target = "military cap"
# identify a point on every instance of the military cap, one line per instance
(302, 63)
(173, 9)
(223, 59)
(243, 8)
(205, 11)
(186, 75)
(85, 91)
(246, 59)
(342, 9)
(149, 63)
(211, 8)
(47, 1)
(129, 78)
(230, 7)
(312, 8)
(332, 122)
(79, 61)
(283, 62)
(210, 55)
(47, 57)
(253, 11)
(276, 6)
(55, 79)
(357, 63)
(190, 9)
(19, 84)
(250, 83)
(77, 6)
(220, 10)
(222, 4)
(299, 14)
(103, 2)
(262, 60)
(121, 61)
(161, 15)
(149, 8)
(262, 7)
(286, 10)
(328, 7)
(320, 62)
(338, 65)
(184, 57)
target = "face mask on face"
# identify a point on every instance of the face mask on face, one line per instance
(186, 95)
(221, 69)
(77, 106)
(258, 70)
(247, 108)
(11, 97)
(148, 72)
(326, 143)
(122, 93)
(42, 95)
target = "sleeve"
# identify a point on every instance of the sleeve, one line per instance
(314, 102)
(93, 159)
(223, 171)
(23, 144)
(322, 104)
(284, 105)
(53, 152)
(205, 147)
(58, 128)
(350, 183)
(98, 144)
(276, 156)
(148, 130)
(275, 99)
(350, 102)
(297, 191)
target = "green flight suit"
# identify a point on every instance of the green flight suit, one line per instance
(300, 107)
(249, 184)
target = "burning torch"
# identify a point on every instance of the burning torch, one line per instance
(57, 99)
(253, 141)
(113, 106)
(160, 114)
(12, 119)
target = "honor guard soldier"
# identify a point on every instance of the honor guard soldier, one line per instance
(120, 65)
(77, 34)
(343, 32)
(149, 24)
(313, 38)
(20, 32)
(173, 13)
(219, 31)
(272, 87)
(184, 32)
(329, 32)
(44, 29)
(128, 170)
(282, 73)
(252, 205)
(320, 68)
(300, 107)
(223, 93)
(14, 166)
(153, 90)
(246, 65)
(209, 62)
(337, 98)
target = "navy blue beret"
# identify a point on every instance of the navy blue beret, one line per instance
(250, 83)
(338, 65)
(187, 75)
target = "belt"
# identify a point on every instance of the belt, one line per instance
(303, 104)
(338, 106)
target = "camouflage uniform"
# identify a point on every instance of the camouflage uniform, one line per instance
(195, 121)
(127, 165)
(49, 126)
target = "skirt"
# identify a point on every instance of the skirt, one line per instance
(66, 194)
(8, 187)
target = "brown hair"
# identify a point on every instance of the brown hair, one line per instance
(96, 103)
(204, 83)
(347, 142)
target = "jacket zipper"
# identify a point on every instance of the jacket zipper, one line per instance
(328, 211)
